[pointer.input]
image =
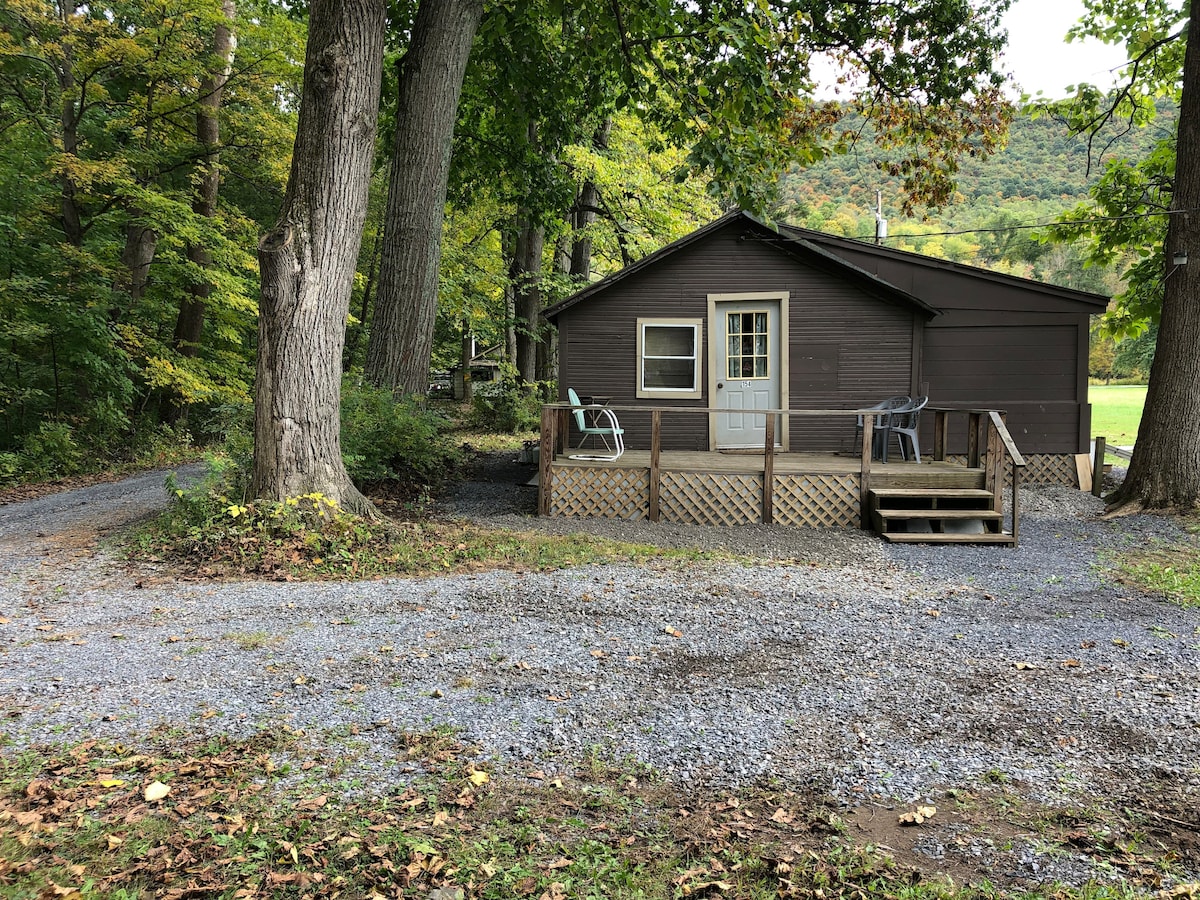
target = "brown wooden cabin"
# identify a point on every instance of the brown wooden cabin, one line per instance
(827, 323)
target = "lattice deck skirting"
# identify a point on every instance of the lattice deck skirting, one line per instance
(703, 498)
(599, 492)
(1040, 468)
(818, 501)
(706, 498)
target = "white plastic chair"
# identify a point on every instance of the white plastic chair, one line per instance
(598, 413)
(878, 449)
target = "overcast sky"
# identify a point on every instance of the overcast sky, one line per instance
(1038, 57)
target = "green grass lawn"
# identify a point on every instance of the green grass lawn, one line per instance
(1116, 411)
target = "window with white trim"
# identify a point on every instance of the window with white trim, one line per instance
(669, 358)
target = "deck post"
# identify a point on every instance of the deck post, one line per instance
(545, 457)
(768, 495)
(995, 466)
(939, 434)
(655, 471)
(1016, 516)
(1098, 466)
(974, 422)
(864, 475)
(564, 431)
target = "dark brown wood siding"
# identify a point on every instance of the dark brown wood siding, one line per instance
(848, 347)
(1025, 363)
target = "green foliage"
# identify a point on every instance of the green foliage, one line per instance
(308, 532)
(1134, 192)
(510, 405)
(211, 534)
(98, 108)
(384, 439)
(51, 450)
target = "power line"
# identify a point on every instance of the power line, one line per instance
(1093, 220)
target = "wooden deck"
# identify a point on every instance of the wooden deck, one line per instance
(894, 473)
(711, 488)
(818, 490)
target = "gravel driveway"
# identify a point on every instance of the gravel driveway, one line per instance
(868, 672)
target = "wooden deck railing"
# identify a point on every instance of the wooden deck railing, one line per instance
(987, 435)
(986, 429)
(556, 424)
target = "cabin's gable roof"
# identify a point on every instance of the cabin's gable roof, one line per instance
(835, 255)
(804, 250)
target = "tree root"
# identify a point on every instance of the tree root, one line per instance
(1123, 508)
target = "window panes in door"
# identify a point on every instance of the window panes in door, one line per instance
(747, 341)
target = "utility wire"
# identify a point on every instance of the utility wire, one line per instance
(1093, 220)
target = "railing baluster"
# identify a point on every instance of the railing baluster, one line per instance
(768, 495)
(545, 458)
(864, 472)
(940, 418)
(655, 454)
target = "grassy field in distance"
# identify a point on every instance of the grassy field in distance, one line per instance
(1116, 411)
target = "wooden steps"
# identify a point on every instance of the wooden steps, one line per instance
(915, 515)
(904, 537)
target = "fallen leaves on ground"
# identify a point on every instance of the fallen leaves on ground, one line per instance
(917, 816)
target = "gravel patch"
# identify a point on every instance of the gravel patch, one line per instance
(871, 672)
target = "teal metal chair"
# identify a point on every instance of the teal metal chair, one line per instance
(588, 419)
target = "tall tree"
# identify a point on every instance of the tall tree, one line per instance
(1165, 469)
(1149, 208)
(190, 324)
(307, 262)
(430, 81)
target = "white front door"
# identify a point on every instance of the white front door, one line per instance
(746, 343)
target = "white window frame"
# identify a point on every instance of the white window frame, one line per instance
(696, 391)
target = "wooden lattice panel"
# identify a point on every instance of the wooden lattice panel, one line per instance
(1050, 468)
(592, 491)
(704, 498)
(1040, 468)
(817, 501)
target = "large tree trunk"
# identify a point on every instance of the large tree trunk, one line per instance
(308, 261)
(430, 83)
(141, 242)
(508, 249)
(1165, 470)
(190, 323)
(525, 274)
(71, 215)
(584, 215)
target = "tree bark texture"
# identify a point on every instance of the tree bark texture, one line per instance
(466, 352)
(307, 261)
(525, 274)
(430, 84)
(190, 323)
(585, 214)
(141, 243)
(508, 247)
(1165, 470)
(72, 215)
